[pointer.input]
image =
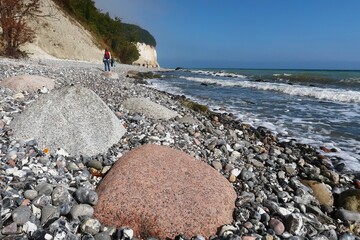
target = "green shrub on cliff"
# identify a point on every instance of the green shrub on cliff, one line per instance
(117, 36)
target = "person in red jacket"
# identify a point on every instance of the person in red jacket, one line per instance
(106, 60)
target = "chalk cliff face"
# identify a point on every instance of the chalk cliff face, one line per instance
(60, 36)
(148, 56)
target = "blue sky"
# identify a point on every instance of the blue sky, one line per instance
(321, 34)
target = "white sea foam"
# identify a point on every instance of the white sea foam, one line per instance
(329, 94)
(219, 74)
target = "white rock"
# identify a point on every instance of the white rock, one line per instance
(29, 227)
(7, 120)
(19, 173)
(18, 96)
(236, 172)
(62, 152)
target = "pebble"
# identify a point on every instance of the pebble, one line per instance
(30, 194)
(277, 226)
(81, 210)
(21, 215)
(90, 226)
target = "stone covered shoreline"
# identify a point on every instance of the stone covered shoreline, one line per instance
(285, 190)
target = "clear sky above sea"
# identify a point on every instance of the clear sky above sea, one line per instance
(315, 34)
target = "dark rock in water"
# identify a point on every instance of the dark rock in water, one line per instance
(349, 200)
(207, 84)
(178, 68)
(260, 80)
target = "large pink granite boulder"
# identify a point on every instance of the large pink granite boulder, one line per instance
(30, 83)
(162, 192)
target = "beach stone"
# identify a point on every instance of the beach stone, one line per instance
(60, 196)
(73, 118)
(349, 200)
(10, 229)
(85, 195)
(217, 165)
(82, 210)
(94, 164)
(321, 192)
(294, 224)
(186, 206)
(149, 108)
(49, 212)
(347, 215)
(111, 75)
(29, 83)
(30, 194)
(44, 189)
(90, 226)
(102, 236)
(277, 226)
(21, 215)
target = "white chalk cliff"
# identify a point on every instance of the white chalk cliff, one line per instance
(61, 36)
(148, 56)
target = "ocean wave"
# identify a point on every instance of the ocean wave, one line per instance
(219, 74)
(282, 74)
(350, 80)
(329, 94)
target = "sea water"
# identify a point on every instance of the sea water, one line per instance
(316, 107)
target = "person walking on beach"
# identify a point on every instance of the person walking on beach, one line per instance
(106, 60)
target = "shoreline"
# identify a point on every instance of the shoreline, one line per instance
(254, 152)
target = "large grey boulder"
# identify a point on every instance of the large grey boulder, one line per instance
(30, 83)
(148, 108)
(73, 118)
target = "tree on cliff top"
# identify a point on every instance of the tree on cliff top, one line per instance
(15, 31)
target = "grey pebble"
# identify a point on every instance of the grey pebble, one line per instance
(21, 215)
(44, 188)
(81, 210)
(30, 194)
(102, 236)
(90, 226)
(60, 196)
(94, 164)
(49, 212)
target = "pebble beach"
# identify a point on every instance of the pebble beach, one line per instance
(285, 190)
